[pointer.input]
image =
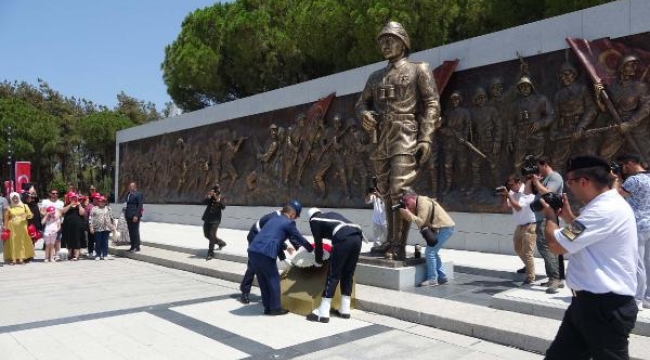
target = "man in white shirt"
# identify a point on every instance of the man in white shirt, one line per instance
(518, 197)
(602, 242)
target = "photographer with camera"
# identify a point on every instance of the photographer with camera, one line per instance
(518, 196)
(602, 242)
(547, 181)
(374, 197)
(636, 190)
(212, 218)
(436, 227)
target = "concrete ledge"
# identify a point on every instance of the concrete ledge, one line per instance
(398, 278)
(535, 301)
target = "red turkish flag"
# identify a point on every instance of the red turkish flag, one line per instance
(23, 174)
(443, 73)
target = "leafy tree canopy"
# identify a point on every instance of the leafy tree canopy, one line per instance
(233, 50)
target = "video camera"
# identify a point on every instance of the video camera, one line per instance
(616, 168)
(529, 166)
(552, 199)
(499, 190)
(400, 205)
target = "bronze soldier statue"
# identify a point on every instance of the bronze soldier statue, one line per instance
(399, 108)
(533, 113)
(574, 112)
(292, 147)
(487, 135)
(455, 126)
(632, 101)
(356, 155)
(329, 152)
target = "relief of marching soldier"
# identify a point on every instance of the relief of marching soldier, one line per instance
(266, 160)
(455, 127)
(329, 150)
(575, 111)
(533, 113)
(228, 151)
(292, 145)
(356, 152)
(487, 136)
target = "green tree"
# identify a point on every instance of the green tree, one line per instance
(228, 51)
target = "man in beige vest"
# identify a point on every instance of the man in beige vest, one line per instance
(436, 227)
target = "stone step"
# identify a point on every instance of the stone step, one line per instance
(535, 301)
(397, 278)
(523, 331)
(189, 239)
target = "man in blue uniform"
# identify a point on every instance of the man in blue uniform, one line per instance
(346, 240)
(132, 214)
(247, 281)
(602, 242)
(263, 251)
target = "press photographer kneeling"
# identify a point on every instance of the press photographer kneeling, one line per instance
(436, 227)
(545, 180)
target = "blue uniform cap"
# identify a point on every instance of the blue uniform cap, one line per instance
(296, 206)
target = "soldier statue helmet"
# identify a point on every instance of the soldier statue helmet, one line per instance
(396, 29)
(626, 59)
(523, 81)
(478, 93)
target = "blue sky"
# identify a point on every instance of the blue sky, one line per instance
(91, 48)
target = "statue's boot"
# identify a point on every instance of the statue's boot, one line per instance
(400, 246)
(394, 252)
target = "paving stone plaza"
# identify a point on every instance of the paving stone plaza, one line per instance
(129, 309)
(168, 302)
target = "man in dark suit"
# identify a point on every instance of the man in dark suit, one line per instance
(247, 281)
(133, 213)
(212, 219)
(263, 251)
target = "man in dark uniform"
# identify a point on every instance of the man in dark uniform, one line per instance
(133, 213)
(346, 240)
(212, 219)
(263, 251)
(602, 242)
(247, 281)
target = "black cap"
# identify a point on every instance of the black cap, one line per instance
(586, 161)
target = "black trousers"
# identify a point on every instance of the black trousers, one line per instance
(91, 242)
(247, 281)
(210, 233)
(343, 262)
(595, 326)
(134, 232)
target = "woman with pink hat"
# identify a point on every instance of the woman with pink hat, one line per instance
(73, 225)
(52, 224)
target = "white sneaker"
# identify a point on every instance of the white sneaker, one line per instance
(47, 260)
(97, 258)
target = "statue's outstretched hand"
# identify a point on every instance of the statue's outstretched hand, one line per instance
(368, 122)
(422, 152)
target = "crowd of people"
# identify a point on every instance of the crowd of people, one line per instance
(80, 224)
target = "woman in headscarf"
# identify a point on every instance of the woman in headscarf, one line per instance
(19, 246)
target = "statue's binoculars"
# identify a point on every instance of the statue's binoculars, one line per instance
(386, 92)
